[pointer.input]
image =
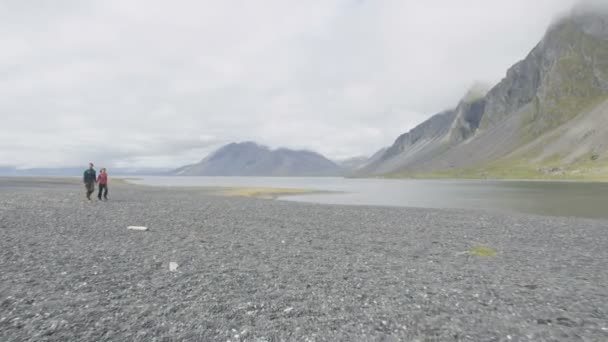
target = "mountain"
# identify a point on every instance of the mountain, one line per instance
(251, 159)
(547, 117)
(353, 163)
(424, 141)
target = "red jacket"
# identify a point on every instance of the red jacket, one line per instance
(102, 178)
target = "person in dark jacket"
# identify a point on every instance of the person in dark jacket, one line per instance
(102, 183)
(89, 180)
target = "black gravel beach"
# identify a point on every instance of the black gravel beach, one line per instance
(266, 270)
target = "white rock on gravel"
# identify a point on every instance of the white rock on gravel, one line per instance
(173, 266)
(138, 228)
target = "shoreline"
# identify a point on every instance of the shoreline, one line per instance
(549, 201)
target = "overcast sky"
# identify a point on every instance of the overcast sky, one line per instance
(149, 83)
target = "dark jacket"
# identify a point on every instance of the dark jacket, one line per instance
(89, 176)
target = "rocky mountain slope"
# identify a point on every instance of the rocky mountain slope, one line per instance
(423, 142)
(353, 163)
(251, 159)
(547, 117)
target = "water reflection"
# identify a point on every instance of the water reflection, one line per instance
(543, 198)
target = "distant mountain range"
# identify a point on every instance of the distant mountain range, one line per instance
(78, 171)
(547, 118)
(251, 159)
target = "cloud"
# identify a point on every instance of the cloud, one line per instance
(150, 83)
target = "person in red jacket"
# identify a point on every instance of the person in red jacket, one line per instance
(102, 180)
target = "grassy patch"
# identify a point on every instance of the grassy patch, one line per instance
(262, 192)
(482, 251)
(518, 168)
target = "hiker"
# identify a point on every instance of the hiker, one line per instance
(102, 181)
(89, 180)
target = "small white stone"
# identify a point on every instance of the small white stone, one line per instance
(138, 228)
(173, 266)
(288, 309)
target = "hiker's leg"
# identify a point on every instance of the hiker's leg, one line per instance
(100, 190)
(105, 192)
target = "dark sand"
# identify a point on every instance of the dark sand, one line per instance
(263, 270)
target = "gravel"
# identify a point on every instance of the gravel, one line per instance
(238, 269)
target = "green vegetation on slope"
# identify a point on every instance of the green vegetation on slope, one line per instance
(518, 169)
(571, 86)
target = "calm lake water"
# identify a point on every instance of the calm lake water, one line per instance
(544, 198)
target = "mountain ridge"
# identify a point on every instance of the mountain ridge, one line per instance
(563, 78)
(251, 159)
